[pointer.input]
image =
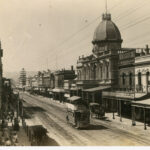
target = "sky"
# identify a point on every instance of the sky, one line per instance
(52, 34)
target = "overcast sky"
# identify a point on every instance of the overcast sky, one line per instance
(35, 33)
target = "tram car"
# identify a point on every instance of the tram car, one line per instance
(78, 113)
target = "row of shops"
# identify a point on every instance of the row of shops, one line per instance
(129, 105)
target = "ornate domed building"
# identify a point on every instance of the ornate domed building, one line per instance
(124, 71)
(106, 36)
(100, 69)
(101, 66)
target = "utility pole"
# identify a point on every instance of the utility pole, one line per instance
(133, 107)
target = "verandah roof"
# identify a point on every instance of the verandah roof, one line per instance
(142, 103)
(100, 88)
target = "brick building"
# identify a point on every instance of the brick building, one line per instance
(63, 81)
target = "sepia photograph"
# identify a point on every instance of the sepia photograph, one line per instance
(74, 73)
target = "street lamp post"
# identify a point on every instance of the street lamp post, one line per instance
(133, 108)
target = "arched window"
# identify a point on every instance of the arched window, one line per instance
(107, 71)
(123, 78)
(101, 72)
(130, 79)
(87, 73)
(97, 72)
(94, 71)
(84, 73)
(147, 77)
(139, 79)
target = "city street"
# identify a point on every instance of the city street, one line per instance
(51, 115)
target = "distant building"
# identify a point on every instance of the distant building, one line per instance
(22, 78)
(63, 81)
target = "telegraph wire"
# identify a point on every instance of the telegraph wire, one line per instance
(130, 11)
(81, 29)
(116, 5)
(123, 29)
(97, 19)
(140, 21)
(92, 22)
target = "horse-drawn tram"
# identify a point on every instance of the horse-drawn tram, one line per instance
(78, 113)
(96, 110)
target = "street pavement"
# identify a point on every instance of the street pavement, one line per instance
(51, 114)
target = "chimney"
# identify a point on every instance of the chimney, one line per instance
(147, 49)
(72, 68)
(82, 56)
(142, 53)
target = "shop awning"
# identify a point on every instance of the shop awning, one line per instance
(49, 90)
(74, 98)
(142, 103)
(94, 104)
(73, 89)
(58, 90)
(100, 88)
(67, 95)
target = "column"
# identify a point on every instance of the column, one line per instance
(120, 110)
(117, 106)
(87, 95)
(59, 97)
(93, 97)
(113, 108)
(133, 116)
(82, 95)
(77, 92)
(144, 118)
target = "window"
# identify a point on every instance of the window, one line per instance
(139, 79)
(94, 71)
(107, 71)
(147, 78)
(87, 73)
(101, 71)
(123, 78)
(130, 79)
(84, 73)
(79, 75)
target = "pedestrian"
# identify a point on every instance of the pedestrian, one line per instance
(33, 142)
(7, 142)
(16, 144)
(2, 140)
(11, 117)
(15, 137)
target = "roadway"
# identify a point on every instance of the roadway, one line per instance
(52, 117)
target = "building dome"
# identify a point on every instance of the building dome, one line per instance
(106, 31)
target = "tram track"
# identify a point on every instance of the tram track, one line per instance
(60, 124)
(50, 109)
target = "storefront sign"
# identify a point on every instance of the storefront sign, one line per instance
(118, 94)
